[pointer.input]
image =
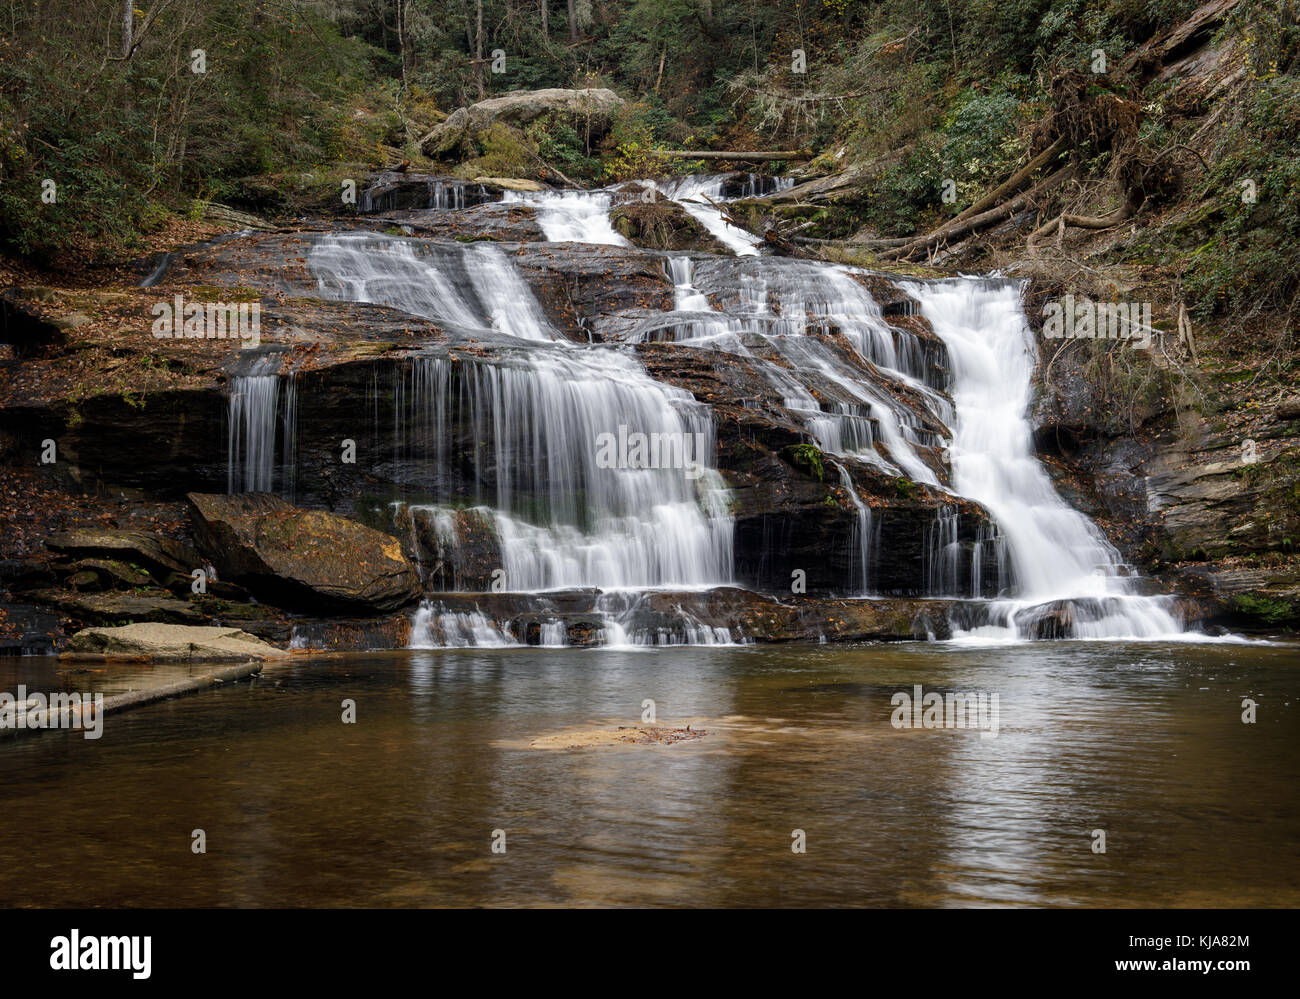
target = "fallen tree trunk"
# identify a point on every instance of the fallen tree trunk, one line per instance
(984, 219)
(754, 156)
(1064, 221)
(1014, 182)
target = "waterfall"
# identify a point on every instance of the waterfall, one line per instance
(250, 434)
(1056, 553)
(566, 517)
(470, 287)
(783, 305)
(583, 216)
(505, 430)
(568, 513)
(861, 532)
(698, 195)
(572, 216)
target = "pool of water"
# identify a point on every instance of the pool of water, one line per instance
(1145, 742)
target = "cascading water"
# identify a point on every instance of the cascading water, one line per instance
(525, 419)
(700, 195)
(861, 533)
(572, 216)
(250, 444)
(565, 516)
(472, 287)
(566, 512)
(1057, 554)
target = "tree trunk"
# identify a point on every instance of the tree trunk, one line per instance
(478, 46)
(1014, 183)
(573, 22)
(127, 16)
(546, 26)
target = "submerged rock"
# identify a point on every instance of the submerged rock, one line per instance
(302, 558)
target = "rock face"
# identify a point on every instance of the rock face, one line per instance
(308, 559)
(172, 642)
(1211, 497)
(592, 106)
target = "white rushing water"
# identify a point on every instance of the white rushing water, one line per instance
(255, 405)
(583, 216)
(513, 430)
(565, 514)
(700, 195)
(1056, 552)
(571, 216)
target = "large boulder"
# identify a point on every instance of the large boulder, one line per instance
(308, 559)
(171, 642)
(592, 106)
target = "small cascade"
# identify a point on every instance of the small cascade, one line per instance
(472, 287)
(569, 510)
(862, 536)
(1056, 554)
(699, 195)
(440, 195)
(572, 216)
(943, 554)
(436, 627)
(289, 438)
(250, 443)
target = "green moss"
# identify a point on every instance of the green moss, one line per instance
(907, 489)
(1267, 610)
(807, 458)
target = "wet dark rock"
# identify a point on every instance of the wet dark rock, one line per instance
(119, 607)
(28, 630)
(502, 223)
(391, 191)
(158, 555)
(453, 549)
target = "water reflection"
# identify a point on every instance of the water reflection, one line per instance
(1145, 742)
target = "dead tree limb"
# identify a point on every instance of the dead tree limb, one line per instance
(984, 219)
(1014, 182)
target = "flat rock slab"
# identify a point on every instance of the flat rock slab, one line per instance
(171, 642)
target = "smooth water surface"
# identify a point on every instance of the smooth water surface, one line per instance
(299, 809)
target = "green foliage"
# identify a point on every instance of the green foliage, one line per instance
(977, 140)
(1250, 253)
(115, 134)
(1267, 610)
